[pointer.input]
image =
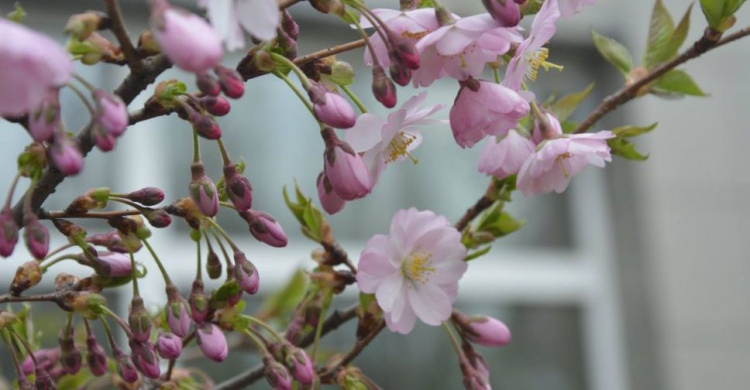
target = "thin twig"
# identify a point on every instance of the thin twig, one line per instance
(121, 33)
(99, 215)
(358, 347)
(481, 204)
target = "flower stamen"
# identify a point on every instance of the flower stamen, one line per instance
(561, 160)
(418, 267)
(399, 146)
(538, 59)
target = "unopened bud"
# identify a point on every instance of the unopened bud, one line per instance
(213, 265)
(276, 374)
(230, 81)
(44, 120)
(238, 188)
(177, 315)
(147, 196)
(169, 346)
(300, 365)
(198, 302)
(125, 366)
(112, 113)
(330, 108)
(336, 7)
(288, 25)
(245, 273)
(208, 84)
(205, 126)
(147, 44)
(145, 358)
(82, 25)
(212, 342)
(70, 356)
(28, 275)
(203, 191)
(507, 12)
(265, 228)
(331, 202)
(400, 74)
(95, 355)
(383, 88)
(139, 320)
(158, 218)
(66, 155)
(216, 105)
(75, 233)
(8, 232)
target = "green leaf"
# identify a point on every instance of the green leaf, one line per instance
(314, 224)
(18, 13)
(659, 32)
(73, 382)
(671, 47)
(219, 297)
(478, 253)
(677, 82)
(633, 131)
(614, 52)
(621, 146)
(285, 299)
(498, 223)
(717, 11)
(565, 106)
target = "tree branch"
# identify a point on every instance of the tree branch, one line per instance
(708, 42)
(358, 347)
(121, 33)
(483, 203)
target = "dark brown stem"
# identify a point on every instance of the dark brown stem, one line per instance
(52, 297)
(358, 347)
(708, 42)
(482, 204)
(121, 33)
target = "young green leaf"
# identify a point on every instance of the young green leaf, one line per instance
(565, 106)
(672, 46)
(717, 11)
(621, 146)
(478, 254)
(614, 52)
(677, 82)
(284, 300)
(660, 31)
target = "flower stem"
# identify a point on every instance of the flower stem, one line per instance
(258, 343)
(296, 90)
(85, 82)
(196, 147)
(136, 292)
(83, 98)
(224, 153)
(454, 341)
(119, 321)
(223, 233)
(278, 58)
(354, 98)
(265, 326)
(110, 339)
(12, 189)
(57, 260)
(158, 262)
(319, 326)
(199, 271)
(223, 249)
(16, 363)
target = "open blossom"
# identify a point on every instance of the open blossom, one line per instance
(186, 39)
(484, 108)
(569, 8)
(460, 50)
(557, 160)
(530, 54)
(411, 25)
(504, 157)
(32, 65)
(387, 141)
(260, 18)
(414, 270)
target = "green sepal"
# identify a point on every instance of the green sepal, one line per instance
(314, 225)
(18, 14)
(479, 253)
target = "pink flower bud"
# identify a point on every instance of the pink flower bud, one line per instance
(103, 140)
(205, 126)
(383, 88)
(45, 358)
(213, 265)
(276, 374)
(187, 40)
(289, 25)
(178, 318)
(216, 105)
(405, 52)
(302, 368)
(113, 264)
(169, 346)
(245, 273)
(488, 331)
(203, 191)
(112, 241)
(95, 356)
(125, 366)
(139, 320)
(147, 196)
(36, 236)
(346, 171)
(145, 358)
(400, 74)
(208, 84)
(238, 188)
(44, 121)
(198, 302)
(507, 12)
(212, 342)
(331, 202)
(230, 81)
(8, 232)
(330, 108)
(112, 113)
(70, 356)
(158, 218)
(265, 228)
(66, 156)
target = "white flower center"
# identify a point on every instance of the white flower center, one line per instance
(418, 267)
(399, 146)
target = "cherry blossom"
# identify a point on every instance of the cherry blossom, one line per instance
(412, 25)
(186, 39)
(504, 157)
(259, 18)
(569, 8)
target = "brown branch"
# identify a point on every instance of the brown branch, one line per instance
(283, 4)
(52, 297)
(99, 215)
(121, 33)
(483, 203)
(358, 347)
(709, 41)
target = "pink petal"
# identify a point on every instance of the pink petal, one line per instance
(430, 303)
(259, 17)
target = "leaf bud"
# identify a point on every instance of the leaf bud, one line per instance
(28, 275)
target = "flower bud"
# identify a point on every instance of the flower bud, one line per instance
(383, 88)
(112, 241)
(203, 191)
(147, 44)
(112, 113)
(205, 126)
(245, 273)
(45, 360)
(125, 366)
(300, 365)
(158, 218)
(44, 381)
(487, 331)
(330, 108)
(145, 358)
(286, 45)
(331, 202)
(44, 121)
(265, 228)
(113, 264)
(28, 275)
(230, 81)
(147, 196)
(208, 84)
(36, 236)
(507, 12)
(238, 188)
(70, 356)
(139, 320)
(186, 39)
(82, 25)
(336, 7)
(404, 51)
(213, 265)
(289, 25)
(400, 74)
(198, 302)
(177, 315)
(169, 346)
(86, 303)
(66, 156)
(8, 232)
(216, 105)
(95, 356)
(212, 342)
(103, 140)
(276, 374)
(345, 169)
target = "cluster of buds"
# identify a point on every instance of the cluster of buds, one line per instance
(482, 330)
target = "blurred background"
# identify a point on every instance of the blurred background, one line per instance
(635, 278)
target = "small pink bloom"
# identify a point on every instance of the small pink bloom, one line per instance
(460, 50)
(259, 18)
(557, 160)
(382, 142)
(265, 228)
(484, 108)
(530, 54)
(346, 171)
(32, 65)
(203, 191)
(8, 232)
(569, 8)
(331, 202)
(112, 113)
(330, 108)
(488, 331)
(186, 39)
(212, 342)
(505, 157)
(45, 119)
(411, 25)
(66, 156)
(169, 346)
(115, 264)
(414, 270)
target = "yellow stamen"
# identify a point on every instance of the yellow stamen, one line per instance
(414, 35)
(418, 267)
(561, 160)
(399, 147)
(539, 59)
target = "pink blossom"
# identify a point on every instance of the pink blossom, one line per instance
(45, 119)
(411, 25)
(32, 65)
(460, 50)
(265, 228)
(186, 39)
(530, 55)
(112, 113)
(488, 331)
(382, 141)
(554, 129)
(115, 264)
(346, 171)
(212, 342)
(557, 160)
(414, 270)
(569, 8)
(504, 157)
(484, 108)
(331, 202)
(507, 12)
(330, 108)
(259, 18)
